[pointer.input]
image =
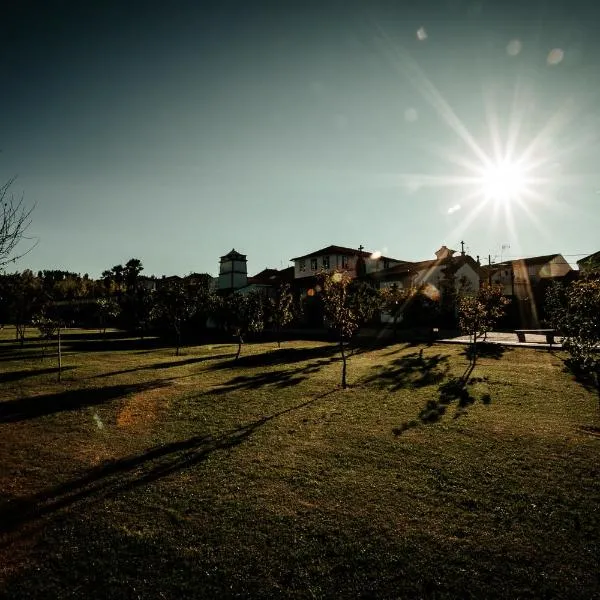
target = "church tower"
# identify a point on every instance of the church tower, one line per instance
(233, 272)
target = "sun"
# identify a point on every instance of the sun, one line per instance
(504, 181)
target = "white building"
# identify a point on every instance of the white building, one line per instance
(355, 262)
(233, 271)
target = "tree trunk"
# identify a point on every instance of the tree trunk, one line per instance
(278, 336)
(59, 357)
(344, 384)
(240, 342)
(178, 338)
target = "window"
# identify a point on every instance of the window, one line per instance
(302, 265)
(326, 262)
(344, 262)
(386, 263)
(313, 264)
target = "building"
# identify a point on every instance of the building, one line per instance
(356, 262)
(268, 280)
(465, 270)
(233, 272)
(519, 277)
(526, 280)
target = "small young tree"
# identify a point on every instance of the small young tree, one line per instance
(478, 314)
(242, 314)
(47, 326)
(107, 310)
(173, 307)
(281, 309)
(344, 310)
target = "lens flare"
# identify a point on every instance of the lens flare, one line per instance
(504, 181)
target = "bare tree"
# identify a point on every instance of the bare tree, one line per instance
(15, 218)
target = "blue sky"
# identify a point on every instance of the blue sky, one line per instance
(173, 134)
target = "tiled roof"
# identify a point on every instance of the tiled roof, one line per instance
(234, 254)
(273, 276)
(336, 250)
(536, 260)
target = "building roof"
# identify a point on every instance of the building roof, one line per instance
(336, 250)
(536, 260)
(272, 276)
(265, 274)
(344, 251)
(458, 261)
(233, 255)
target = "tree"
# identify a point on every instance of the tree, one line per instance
(478, 314)
(243, 314)
(574, 311)
(22, 297)
(107, 310)
(281, 309)
(174, 308)
(345, 309)
(47, 325)
(393, 301)
(131, 271)
(15, 219)
(118, 277)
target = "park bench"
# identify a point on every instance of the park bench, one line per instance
(549, 333)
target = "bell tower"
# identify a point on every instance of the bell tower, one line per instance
(233, 271)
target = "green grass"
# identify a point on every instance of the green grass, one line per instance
(147, 475)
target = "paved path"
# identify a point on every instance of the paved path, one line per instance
(508, 339)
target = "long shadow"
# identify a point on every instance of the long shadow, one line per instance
(413, 370)
(166, 365)
(485, 350)
(277, 379)
(283, 356)
(23, 409)
(112, 345)
(130, 472)
(456, 390)
(20, 357)
(19, 375)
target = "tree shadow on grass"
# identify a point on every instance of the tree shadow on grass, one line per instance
(32, 407)
(130, 472)
(413, 370)
(485, 350)
(166, 365)
(276, 379)
(283, 356)
(113, 345)
(457, 390)
(24, 354)
(24, 374)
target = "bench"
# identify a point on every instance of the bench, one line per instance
(549, 333)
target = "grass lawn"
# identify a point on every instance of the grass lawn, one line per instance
(145, 475)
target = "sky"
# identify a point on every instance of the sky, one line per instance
(174, 132)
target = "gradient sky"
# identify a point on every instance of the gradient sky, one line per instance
(174, 131)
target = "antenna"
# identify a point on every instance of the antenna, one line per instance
(502, 249)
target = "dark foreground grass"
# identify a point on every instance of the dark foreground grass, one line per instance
(143, 475)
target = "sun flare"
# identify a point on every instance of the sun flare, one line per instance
(504, 181)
